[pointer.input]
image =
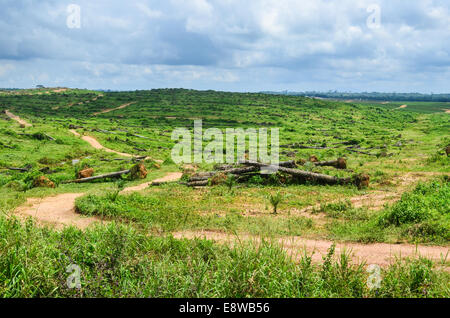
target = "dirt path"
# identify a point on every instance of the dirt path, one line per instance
(94, 143)
(447, 111)
(174, 176)
(112, 109)
(17, 118)
(401, 107)
(381, 253)
(73, 131)
(59, 210)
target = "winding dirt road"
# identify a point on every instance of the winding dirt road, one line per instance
(94, 143)
(59, 211)
(381, 254)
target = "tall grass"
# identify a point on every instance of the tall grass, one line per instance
(117, 261)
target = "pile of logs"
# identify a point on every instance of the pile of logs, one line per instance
(250, 168)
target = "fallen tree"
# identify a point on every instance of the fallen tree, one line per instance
(102, 176)
(18, 169)
(311, 176)
(138, 171)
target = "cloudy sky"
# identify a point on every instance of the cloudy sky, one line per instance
(232, 45)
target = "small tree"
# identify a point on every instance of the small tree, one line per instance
(275, 200)
(119, 186)
(230, 181)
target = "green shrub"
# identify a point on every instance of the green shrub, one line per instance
(427, 201)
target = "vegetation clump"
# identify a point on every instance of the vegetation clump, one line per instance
(138, 171)
(275, 200)
(43, 182)
(423, 207)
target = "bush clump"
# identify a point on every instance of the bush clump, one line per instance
(427, 202)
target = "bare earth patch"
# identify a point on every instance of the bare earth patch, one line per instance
(60, 90)
(381, 253)
(58, 211)
(17, 118)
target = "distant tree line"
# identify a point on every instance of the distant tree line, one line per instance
(412, 97)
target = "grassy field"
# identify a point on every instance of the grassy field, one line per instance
(140, 251)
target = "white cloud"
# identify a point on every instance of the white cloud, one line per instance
(229, 42)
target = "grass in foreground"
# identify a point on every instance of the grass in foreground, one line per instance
(117, 261)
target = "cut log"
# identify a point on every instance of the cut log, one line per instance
(49, 137)
(224, 167)
(198, 183)
(139, 136)
(202, 176)
(103, 131)
(301, 146)
(195, 179)
(103, 176)
(340, 163)
(240, 170)
(18, 169)
(315, 177)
